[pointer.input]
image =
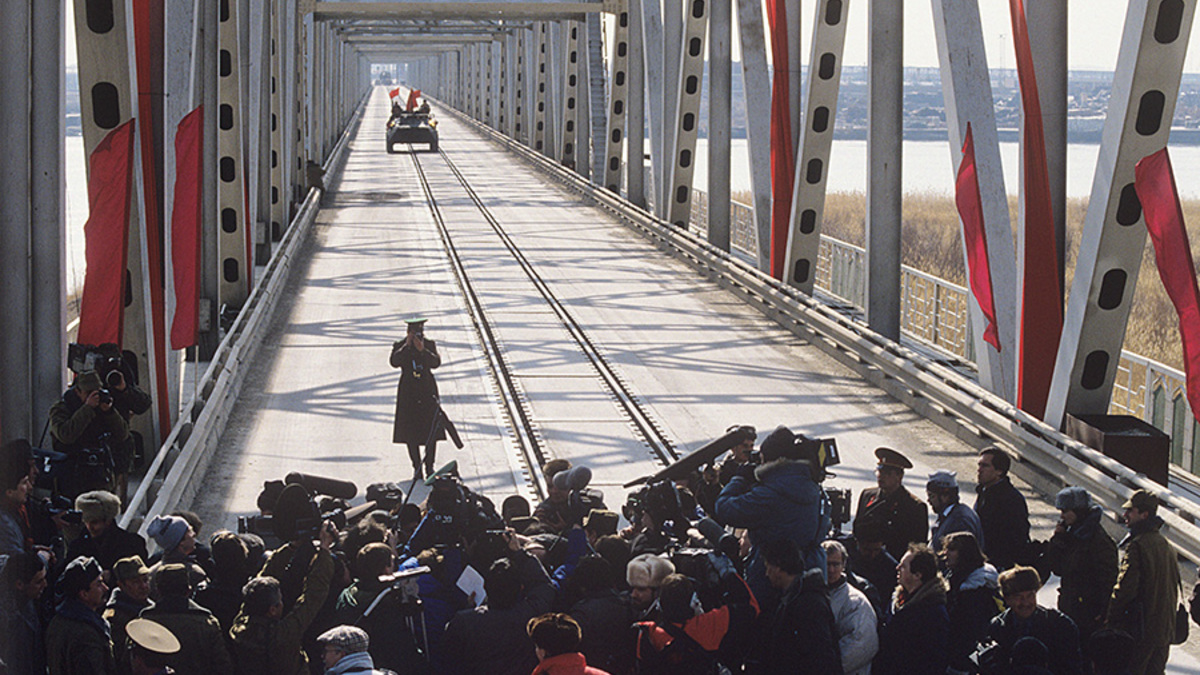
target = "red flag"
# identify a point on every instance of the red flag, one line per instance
(394, 93)
(783, 149)
(1155, 184)
(413, 95)
(970, 210)
(185, 228)
(106, 238)
(1041, 296)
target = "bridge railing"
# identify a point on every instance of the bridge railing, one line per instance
(175, 474)
(934, 312)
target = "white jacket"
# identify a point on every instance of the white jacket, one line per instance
(858, 635)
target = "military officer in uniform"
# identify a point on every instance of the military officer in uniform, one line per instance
(416, 396)
(900, 516)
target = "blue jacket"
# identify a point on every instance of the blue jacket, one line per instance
(784, 503)
(961, 518)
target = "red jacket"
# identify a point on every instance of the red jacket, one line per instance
(566, 664)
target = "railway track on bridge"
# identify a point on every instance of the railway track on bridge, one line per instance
(517, 411)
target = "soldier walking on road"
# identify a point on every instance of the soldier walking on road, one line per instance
(417, 396)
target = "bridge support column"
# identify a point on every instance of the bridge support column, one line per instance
(635, 123)
(1144, 93)
(720, 94)
(32, 340)
(672, 41)
(594, 115)
(756, 89)
(885, 144)
(570, 96)
(687, 123)
(816, 142)
(618, 102)
(653, 54)
(233, 240)
(968, 95)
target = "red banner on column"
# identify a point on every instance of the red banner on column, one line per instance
(1041, 296)
(1155, 185)
(783, 148)
(970, 209)
(106, 238)
(185, 227)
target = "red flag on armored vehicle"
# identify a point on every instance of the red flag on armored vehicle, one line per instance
(413, 95)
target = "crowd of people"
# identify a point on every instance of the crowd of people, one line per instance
(739, 567)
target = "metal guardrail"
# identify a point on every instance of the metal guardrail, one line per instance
(174, 476)
(930, 388)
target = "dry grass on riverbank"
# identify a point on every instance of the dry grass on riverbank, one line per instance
(931, 243)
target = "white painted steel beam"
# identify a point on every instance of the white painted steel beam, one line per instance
(653, 55)
(687, 123)
(233, 263)
(542, 80)
(279, 191)
(108, 71)
(618, 100)
(635, 122)
(460, 9)
(1145, 90)
(593, 112)
(967, 91)
(570, 96)
(816, 142)
(757, 90)
(673, 21)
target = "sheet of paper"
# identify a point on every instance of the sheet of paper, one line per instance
(471, 581)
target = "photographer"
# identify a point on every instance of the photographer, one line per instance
(16, 483)
(778, 500)
(416, 396)
(85, 425)
(102, 538)
(268, 632)
(1024, 618)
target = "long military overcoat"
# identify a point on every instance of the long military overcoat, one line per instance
(417, 393)
(902, 517)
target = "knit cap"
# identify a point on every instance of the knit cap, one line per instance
(167, 531)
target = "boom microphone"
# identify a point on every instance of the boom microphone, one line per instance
(342, 489)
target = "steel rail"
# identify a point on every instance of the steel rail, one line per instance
(514, 403)
(934, 390)
(644, 423)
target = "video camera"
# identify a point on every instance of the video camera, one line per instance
(455, 514)
(332, 508)
(109, 362)
(405, 591)
(63, 508)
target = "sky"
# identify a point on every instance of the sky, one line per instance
(1093, 40)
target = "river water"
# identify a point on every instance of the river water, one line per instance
(927, 168)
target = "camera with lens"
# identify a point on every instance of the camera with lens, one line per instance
(635, 504)
(64, 509)
(990, 658)
(106, 397)
(404, 590)
(839, 507)
(109, 362)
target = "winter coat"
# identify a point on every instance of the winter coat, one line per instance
(902, 517)
(78, 642)
(972, 603)
(1085, 558)
(417, 393)
(915, 641)
(74, 425)
(112, 545)
(120, 610)
(956, 518)
(1147, 585)
(14, 533)
(392, 645)
(22, 636)
(802, 636)
(605, 617)
(1051, 627)
(567, 664)
(784, 503)
(202, 647)
(266, 646)
(857, 627)
(492, 641)
(1004, 518)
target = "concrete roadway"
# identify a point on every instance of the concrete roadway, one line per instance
(321, 395)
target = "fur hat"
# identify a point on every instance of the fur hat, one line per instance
(167, 531)
(648, 570)
(1072, 499)
(98, 505)
(78, 576)
(172, 579)
(780, 443)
